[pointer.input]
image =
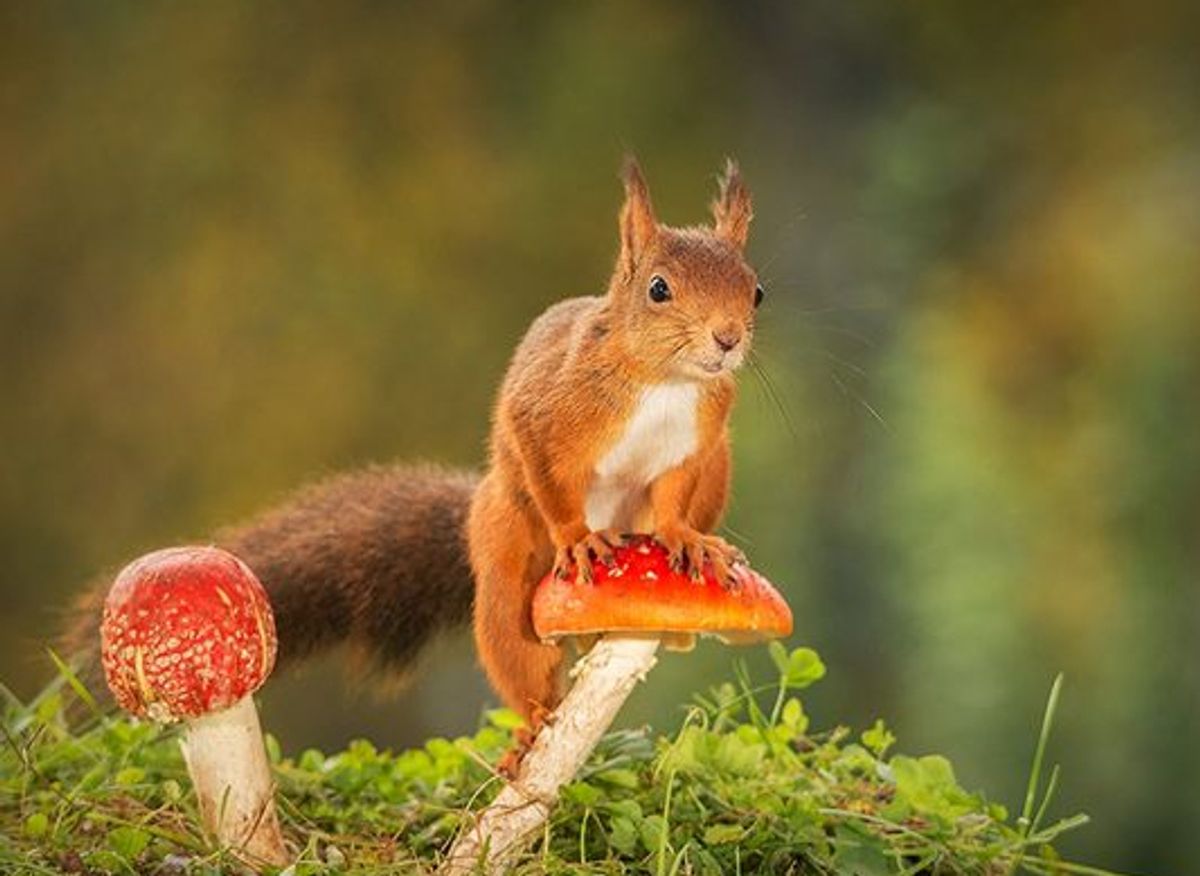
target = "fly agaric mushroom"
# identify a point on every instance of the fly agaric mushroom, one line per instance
(188, 635)
(635, 604)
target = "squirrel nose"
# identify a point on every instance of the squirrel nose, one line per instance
(727, 338)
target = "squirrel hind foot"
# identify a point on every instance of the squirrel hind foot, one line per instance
(540, 717)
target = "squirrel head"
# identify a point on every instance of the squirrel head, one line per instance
(684, 299)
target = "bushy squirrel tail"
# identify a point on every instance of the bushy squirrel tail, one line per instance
(375, 559)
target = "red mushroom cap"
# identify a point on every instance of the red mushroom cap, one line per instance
(641, 593)
(186, 631)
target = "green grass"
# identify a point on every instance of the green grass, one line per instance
(743, 786)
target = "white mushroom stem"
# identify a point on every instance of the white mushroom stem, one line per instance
(604, 679)
(228, 765)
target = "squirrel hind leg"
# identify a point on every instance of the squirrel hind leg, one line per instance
(527, 674)
(508, 561)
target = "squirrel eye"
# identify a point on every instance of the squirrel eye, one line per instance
(659, 290)
(758, 295)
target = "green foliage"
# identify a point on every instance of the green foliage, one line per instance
(732, 791)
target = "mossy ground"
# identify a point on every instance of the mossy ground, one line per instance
(743, 786)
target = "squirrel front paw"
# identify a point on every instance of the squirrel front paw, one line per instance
(689, 549)
(576, 557)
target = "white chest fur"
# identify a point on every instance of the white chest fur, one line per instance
(660, 434)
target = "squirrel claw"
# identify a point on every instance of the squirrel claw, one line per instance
(689, 550)
(578, 556)
(563, 561)
(601, 543)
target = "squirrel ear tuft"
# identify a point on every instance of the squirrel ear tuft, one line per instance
(638, 225)
(732, 210)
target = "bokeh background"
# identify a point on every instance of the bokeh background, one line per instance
(244, 245)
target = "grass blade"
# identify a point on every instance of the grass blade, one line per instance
(75, 684)
(1035, 772)
(1051, 787)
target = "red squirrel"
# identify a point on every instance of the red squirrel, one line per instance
(612, 418)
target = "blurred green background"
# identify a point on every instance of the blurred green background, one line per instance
(245, 245)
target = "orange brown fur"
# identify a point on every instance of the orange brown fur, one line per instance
(571, 389)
